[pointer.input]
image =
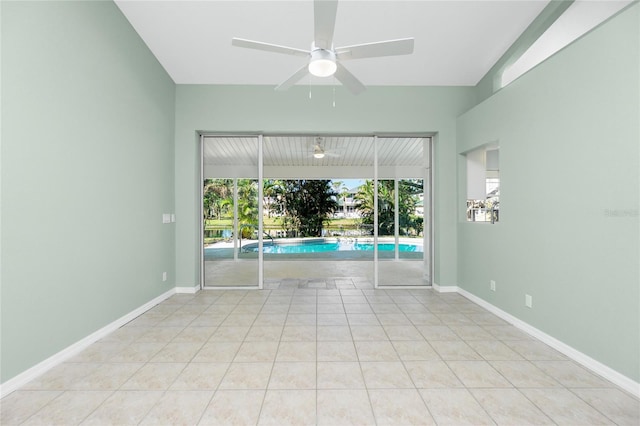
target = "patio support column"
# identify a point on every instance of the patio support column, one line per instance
(236, 249)
(427, 211)
(375, 212)
(204, 222)
(260, 215)
(396, 218)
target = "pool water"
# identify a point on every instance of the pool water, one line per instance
(327, 246)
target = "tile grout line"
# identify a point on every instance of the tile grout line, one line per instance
(373, 413)
(264, 397)
(590, 405)
(215, 391)
(165, 391)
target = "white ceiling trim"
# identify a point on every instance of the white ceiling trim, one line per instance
(581, 17)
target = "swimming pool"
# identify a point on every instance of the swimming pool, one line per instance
(315, 246)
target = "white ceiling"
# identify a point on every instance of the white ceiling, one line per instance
(456, 42)
(292, 156)
(284, 151)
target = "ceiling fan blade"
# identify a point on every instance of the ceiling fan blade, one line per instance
(258, 45)
(349, 80)
(297, 76)
(324, 19)
(403, 46)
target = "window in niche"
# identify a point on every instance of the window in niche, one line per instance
(483, 184)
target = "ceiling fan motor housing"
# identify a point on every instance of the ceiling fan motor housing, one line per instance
(322, 62)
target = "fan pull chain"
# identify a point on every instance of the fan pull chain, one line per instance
(334, 91)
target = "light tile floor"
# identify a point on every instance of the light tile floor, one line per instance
(337, 353)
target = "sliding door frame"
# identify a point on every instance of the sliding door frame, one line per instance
(236, 247)
(428, 233)
(427, 221)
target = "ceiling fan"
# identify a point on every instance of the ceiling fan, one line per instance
(324, 60)
(319, 150)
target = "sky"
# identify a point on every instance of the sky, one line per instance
(350, 183)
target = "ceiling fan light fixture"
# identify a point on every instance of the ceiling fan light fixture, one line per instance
(322, 63)
(318, 152)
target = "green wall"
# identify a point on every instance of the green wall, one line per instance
(97, 143)
(568, 234)
(87, 171)
(261, 109)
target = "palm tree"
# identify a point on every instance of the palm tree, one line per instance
(408, 190)
(270, 190)
(364, 202)
(247, 205)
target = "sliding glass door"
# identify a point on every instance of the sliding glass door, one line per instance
(315, 234)
(403, 212)
(231, 212)
(316, 211)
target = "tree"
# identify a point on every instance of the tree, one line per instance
(247, 206)
(218, 202)
(408, 190)
(270, 190)
(305, 205)
(218, 198)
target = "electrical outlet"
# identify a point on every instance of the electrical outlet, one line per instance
(528, 301)
(492, 285)
(164, 276)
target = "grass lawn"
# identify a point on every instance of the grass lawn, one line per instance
(276, 223)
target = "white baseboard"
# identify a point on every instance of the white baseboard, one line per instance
(597, 367)
(70, 351)
(445, 289)
(187, 290)
(404, 287)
